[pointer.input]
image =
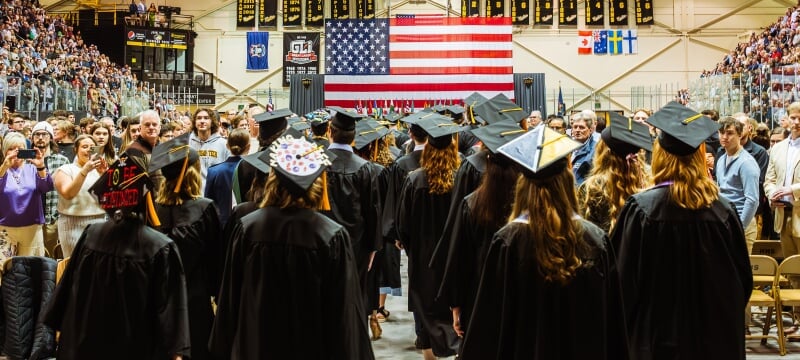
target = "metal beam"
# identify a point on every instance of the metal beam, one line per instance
(710, 45)
(724, 16)
(559, 68)
(223, 82)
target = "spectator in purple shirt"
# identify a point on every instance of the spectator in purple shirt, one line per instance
(23, 184)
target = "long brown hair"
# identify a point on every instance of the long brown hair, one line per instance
(108, 149)
(556, 236)
(613, 179)
(275, 194)
(494, 196)
(440, 166)
(189, 190)
(691, 187)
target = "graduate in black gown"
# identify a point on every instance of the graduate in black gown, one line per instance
(290, 288)
(271, 124)
(319, 121)
(682, 256)
(480, 214)
(420, 218)
(191, 221)
(549, 288)
(123, 293)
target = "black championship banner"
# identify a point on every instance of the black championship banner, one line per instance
(301, 51)
(495, 8)
(366, 9)
(543, 12)
(618, 12)
(268, 13)
(520, 14)
(315, 12)
(470, 8)
(644, 12)
(594, 12)
(340, 9)
(245, 13)
(567, 12)
(292, 13)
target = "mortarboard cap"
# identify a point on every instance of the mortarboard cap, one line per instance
(273, 115)
(172, 158)
(271, 122)
(296, 162)
(499, 108)
(392, 117)
(625, 136)
(498, 134)
(125, 187)
(255, 160)
(415, 117)
(440, 130)
(682, 129)
(367, 131)
(542, 152)
(298, 123)
(474, 99)
(344, 119)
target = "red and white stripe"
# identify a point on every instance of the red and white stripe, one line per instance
(435, 57)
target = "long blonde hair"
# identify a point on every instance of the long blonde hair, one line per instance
(440, 166)
(556, 237)
(189, 190)
(691, 187)
(275, 194)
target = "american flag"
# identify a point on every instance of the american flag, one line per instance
(425, 57)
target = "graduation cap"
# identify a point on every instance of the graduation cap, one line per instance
(498, 134)
(542, 152)
(345, 119)
(255, 160)
(172, 158)
(499, 108)
(297, 163)
(440, 130)
(474, 99)
(367, 131)
(416, 117)
(298, 123)
(625, 136)
(318, 118)
(272, 122)
(125, 187)
(392, 117)
(682, 129)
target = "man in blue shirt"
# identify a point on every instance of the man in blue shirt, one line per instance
(582, 132)
(737, 174)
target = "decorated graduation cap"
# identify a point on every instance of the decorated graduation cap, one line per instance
(541, 152)
(682, 129)
(298, 123)
(498, 134)
(173, 158)
(367, 131)
(440, 130)
(297, 163)
(125, 187)
(625, 136)
(272, 122)
(345, 119)
(499, 108)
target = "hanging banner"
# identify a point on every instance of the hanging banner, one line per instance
(594, 12)
(340, 9)
(302, 54)
(268, 13)
(315, 12)
(495, 8)
(618, 12)
(520, 14)
(292, 13)
(245, 13)
(365, 9)
(568, 12)
(470, 8)
(257, 42)
(543, 12)
(644, 12)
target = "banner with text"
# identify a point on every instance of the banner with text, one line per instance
(257, 42)
(301, 54)
(315, 12)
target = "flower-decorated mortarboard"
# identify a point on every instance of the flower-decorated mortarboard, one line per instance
(173, 158)
(541, 152)
(298, 163)
(125, 187)
(625, 136)
(682, 129)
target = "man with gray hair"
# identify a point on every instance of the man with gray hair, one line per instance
(534, 119)
(140, 150)
(582, 131)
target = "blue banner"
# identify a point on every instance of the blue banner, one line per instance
(257, 42)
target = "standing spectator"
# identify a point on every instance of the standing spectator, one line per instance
(43, 140)
(65, 134)
(582, 132)
(102, 136)
(219, 180)
(205, 138)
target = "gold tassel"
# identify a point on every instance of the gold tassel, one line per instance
(151, 211)
(324, 203)
(180, 176)
(375, 150)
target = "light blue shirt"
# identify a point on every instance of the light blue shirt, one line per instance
(738, 182)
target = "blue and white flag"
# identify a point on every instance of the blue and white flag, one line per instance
(630, 44)
(600, 38)
(257, 42)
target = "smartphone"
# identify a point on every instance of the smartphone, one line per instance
(786, 203)
(26, 154)
(97, 150)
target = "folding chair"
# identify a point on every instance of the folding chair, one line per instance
(784, 296)
(768, 247)
(766, 267)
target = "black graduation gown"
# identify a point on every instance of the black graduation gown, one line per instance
(469, 243)
(122, 296)
(685, 277)
(396, 177)
(194, 226)
(290, 291)
(420, 220)
(518, 315)
(321, 140)
(400, 138)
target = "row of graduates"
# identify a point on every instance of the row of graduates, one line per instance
(497, 253)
